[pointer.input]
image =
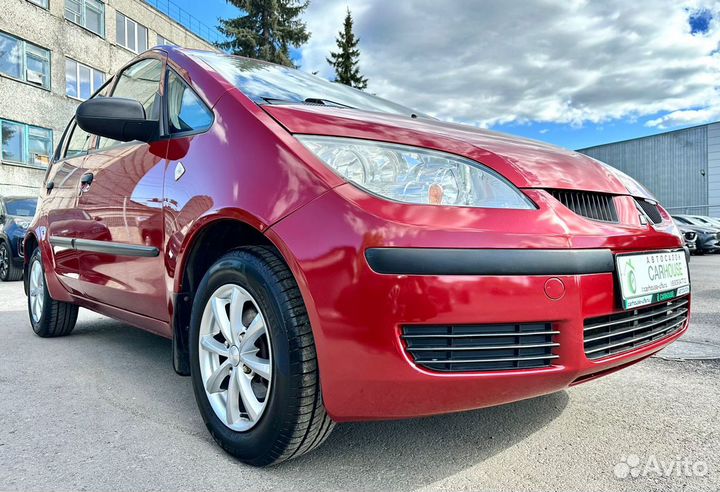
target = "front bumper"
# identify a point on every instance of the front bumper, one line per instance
(358, 314)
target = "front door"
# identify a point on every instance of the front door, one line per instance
(121, 256)
(60, 204)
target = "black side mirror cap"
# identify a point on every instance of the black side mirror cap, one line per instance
(116, 118)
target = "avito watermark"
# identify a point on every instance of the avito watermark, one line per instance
(633, 466)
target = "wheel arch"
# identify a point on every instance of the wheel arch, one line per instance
(30, 242)
(210, 239)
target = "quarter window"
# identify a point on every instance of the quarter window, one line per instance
(131, 35)
(25, 144)
(89, 14)
(81, 81)
(24, 61)
(186, 112)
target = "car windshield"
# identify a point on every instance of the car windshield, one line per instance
(21, 207)
(707, 221)
(268, 83)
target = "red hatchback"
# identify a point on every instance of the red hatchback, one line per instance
(318, 254)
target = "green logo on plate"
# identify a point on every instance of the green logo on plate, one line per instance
(630, 274)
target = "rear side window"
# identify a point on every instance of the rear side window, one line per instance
(186, 112)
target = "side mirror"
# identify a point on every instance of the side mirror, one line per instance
(116, 118)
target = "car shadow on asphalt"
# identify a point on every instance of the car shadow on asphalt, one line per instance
(418, 452)
(412, 452)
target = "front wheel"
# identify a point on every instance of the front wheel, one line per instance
(253, 361)
(48, 317)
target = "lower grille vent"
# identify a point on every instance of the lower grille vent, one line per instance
(617, 333)
(461, 348)
(595, 206)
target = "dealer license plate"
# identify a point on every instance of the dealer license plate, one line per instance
(652, 277)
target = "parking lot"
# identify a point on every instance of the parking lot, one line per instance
(103, 409)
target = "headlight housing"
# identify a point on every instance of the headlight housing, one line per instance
(415, 175)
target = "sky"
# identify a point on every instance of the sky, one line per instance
(574, 73)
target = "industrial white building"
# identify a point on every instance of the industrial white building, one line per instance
(681, 167)
(53, 55)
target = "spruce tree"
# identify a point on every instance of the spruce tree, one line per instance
(266, 30)
(345, 61)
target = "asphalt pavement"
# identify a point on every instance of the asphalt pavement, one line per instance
(102, 409)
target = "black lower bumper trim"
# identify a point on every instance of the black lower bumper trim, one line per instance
(445, 261)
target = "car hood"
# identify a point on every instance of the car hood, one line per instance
(526, 163)
(696, 228)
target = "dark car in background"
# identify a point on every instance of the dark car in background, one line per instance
(708, 238)
(690, 238)
(16, 212)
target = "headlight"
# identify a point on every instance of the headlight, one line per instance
(415, 175)
(22, 223)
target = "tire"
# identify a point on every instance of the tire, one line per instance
(52, 318)
(293, 420)
(8, 271)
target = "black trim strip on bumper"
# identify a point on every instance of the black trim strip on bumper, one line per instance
(447, 261)
(105, 247)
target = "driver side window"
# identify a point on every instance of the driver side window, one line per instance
(78, 143)
(141, 82)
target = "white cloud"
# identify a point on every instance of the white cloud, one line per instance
(563, 61)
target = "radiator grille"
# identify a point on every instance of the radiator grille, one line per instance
(650, 209)
(461, 348)
(620, 332)
(595, 206)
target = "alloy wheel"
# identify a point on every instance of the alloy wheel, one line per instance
(235, 357)
(37, 290)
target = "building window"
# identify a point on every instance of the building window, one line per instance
(81, 81)
(89, 14)
(131, 35)
(161, 41)
(24, 61)
(25, 144)
(41, 3)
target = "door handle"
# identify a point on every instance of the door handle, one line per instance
(85, 182)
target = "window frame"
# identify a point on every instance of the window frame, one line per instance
(124, 44)
(166, 41)
(93, 89)
(26, 145)
(43, 4)
(24, 64)
(83, 16)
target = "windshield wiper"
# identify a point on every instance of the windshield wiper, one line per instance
(327, 102)
(309, 100)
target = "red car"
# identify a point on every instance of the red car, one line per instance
(320, 255)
